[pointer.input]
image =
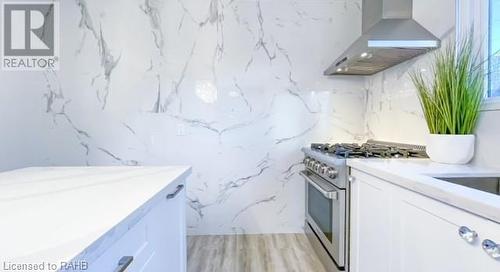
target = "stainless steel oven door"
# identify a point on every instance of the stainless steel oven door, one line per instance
(326, 213)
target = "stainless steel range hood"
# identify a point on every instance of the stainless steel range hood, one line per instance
(389, 36)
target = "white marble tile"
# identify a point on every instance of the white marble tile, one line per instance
(233, 88)
(393, 110)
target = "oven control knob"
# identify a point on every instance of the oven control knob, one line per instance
(332, 173)
(306, 161)
(310, 163)
(324, 170)
(317, 165)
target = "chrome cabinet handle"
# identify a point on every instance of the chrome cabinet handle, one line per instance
(492, 249)
(467, 234)
(123, 263)
(177, 191)
(328, 194)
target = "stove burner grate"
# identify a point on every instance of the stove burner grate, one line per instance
(372, 149)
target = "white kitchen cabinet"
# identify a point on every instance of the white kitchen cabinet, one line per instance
(428, 239)
(369, 217)
(167, 223)
(395, 229)
(157, 241)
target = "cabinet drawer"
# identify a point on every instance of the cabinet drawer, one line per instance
(155, 241)
(133, 243)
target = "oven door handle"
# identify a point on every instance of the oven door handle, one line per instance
(327, 194)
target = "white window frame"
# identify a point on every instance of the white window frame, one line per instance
(475, 14)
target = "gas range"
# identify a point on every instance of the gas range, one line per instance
(328, 193)
(372, 149)
(329, 160)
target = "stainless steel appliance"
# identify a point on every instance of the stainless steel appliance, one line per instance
(327, 193)
(389, 36)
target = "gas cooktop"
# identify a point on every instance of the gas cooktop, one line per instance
(371, 149)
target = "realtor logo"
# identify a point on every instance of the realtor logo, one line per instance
(30, 36)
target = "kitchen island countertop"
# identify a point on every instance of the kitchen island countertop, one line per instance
(53, 214)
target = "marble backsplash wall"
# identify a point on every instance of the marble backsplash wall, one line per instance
(232, 87)
(393, 110)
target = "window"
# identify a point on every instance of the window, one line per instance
(494, 49)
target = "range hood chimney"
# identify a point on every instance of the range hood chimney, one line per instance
(389, 36)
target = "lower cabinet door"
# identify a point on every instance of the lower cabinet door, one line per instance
(167, 232)
(428, 239)
(370, 222)
(397, 230)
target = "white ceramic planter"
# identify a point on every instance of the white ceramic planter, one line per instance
(451, 149)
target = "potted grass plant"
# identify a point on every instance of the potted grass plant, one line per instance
(451, 102)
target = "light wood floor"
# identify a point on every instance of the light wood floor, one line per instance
(252, 253)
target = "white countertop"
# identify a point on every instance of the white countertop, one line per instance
(53, 214)
(417, 175)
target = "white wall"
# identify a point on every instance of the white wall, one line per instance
(233, 88)
(488, 140)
